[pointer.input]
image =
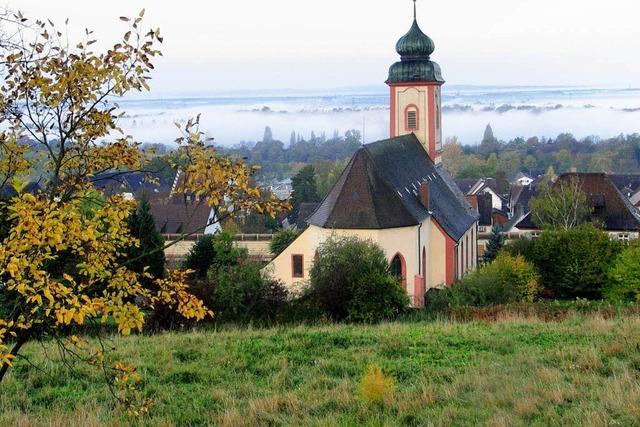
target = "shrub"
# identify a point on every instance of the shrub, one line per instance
(240, 293)
(350, 280)
(624, 277)
(281, 241)
(376, 387)
(506, 280)
(573, 263)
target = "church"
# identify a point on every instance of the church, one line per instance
(396, 192)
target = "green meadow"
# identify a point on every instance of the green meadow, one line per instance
(514, 371)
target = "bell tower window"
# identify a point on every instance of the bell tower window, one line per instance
(412, 123)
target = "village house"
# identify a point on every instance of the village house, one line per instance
(396, 192)
(610, 208)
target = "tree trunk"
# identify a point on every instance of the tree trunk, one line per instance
(14, 351)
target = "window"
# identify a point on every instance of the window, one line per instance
(623, 237)
(297, 266)
(412, 119)
(397, 269)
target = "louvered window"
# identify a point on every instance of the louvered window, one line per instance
(412, 119)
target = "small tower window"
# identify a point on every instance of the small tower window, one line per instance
(412, 119)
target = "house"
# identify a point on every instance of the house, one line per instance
(484, 186)
(179, 213)
(395, 192)
(523, 179)
(609, 207)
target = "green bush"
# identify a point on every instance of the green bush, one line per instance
(507, 279)
(573, 263)
(281, 241)
(242, 294)
(350, 280)
(624, 277)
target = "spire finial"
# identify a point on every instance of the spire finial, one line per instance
(415, 14)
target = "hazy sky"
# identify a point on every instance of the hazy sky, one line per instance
(218, 45)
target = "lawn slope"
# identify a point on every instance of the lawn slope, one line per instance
(580, 371)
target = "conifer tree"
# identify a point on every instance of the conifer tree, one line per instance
(305, 189)
(496, 242)
(150, 253)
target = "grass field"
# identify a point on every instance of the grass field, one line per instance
(583, 370)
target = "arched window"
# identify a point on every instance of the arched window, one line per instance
(411, 118)
(398, 269)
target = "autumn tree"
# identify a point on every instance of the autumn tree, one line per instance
(562, 205)
(61, 251)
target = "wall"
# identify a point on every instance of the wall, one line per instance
(392, 241)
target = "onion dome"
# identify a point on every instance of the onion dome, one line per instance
(415, 44)
(415, 49)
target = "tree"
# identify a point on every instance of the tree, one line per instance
(149, 253)
(494, 245)
(624, 277)
(489, 143)
(200, 256)
(60, 263)
(304, 189)
(268, 134)
(562, 205)
(453, 156)
(350, 280)
(281, 241)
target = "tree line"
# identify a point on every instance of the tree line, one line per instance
(537, 155)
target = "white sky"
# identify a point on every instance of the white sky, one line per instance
(217, 45)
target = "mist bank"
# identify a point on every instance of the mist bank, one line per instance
(512, 112)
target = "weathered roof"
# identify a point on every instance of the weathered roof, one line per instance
(379, 189)
(175, 216)
(628, 184)
(615, 210)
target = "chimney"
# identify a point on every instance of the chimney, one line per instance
(473, 201)
(424, 194)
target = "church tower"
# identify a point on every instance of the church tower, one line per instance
(415, 82)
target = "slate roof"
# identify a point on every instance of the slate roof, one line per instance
(304, 212)
(615, 211)
(379, 189)
(465, 185)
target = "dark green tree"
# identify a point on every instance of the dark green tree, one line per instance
(151, 251)
(200, 257)
(213, 252)
(305, 189)
(281, 241)
(494, 245)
